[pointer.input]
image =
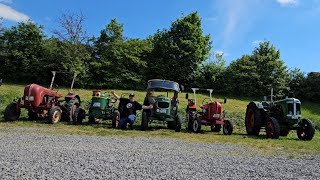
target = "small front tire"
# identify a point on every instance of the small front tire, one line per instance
(54, 115)
(196, 126)
(306, 130)
(227, 127)
(12, 112)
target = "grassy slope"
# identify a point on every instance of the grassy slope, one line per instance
(236, 111)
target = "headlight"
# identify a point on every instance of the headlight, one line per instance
(158, 110)
(298, 112)
(29, 98)
(174, 108)
(203, 111)
(110, 104)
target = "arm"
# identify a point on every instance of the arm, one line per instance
(116, 96)
(147, 107)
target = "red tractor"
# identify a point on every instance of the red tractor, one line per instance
(211, 114)
(45, 103)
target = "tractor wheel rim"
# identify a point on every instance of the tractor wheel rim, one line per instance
(56, 116)
(195, 125)
(269, 129)
(117, 120)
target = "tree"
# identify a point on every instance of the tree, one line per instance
(74, 46)
(271, 69)
(241, 77)
(119, 62)
(178, 52)
(23, 52)
(297, 82)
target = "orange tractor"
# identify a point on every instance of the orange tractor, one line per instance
(211, 114)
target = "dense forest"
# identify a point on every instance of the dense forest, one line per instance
(180, 53)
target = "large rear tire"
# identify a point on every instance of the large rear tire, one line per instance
(253, 119)
(144, 121)
(178, 123)
(272, 128)
(54, 115)
(115, 119)
(196, 126)
(227, 127)
(12, 112)
(306, 130)
(79, 115)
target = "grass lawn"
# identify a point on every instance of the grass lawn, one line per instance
(235, 107)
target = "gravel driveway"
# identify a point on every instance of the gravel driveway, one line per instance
(38, 156)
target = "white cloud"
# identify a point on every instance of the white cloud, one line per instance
(8, 13)
(6, 1)
(237, 19)
(287, 2)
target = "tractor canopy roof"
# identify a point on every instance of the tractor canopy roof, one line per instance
(163, 84)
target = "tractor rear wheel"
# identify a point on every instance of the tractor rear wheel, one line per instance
(78, 116)
(12, 112)
(216, 127)
(272, 128)
(115, 119)
(54, 115)
(189, 119)
(306, 130)
(284, 132)
(253, 119)
(144, 121)
(178, 123)
(33, 116)
(196, 126)
(227, 127)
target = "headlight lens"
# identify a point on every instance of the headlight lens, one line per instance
(29, 98)
(110, 104)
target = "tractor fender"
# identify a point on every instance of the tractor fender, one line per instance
(257, 104)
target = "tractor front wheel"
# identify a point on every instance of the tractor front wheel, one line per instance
(144, 121)
(54, 115)
(178, 123)
(306, 130)
(227, 127)
(272, 128)
(196, 126)
(12, 112)
(115, 119)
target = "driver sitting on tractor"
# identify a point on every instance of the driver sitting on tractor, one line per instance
(128, 111)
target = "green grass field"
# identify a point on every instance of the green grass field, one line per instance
(235, 107)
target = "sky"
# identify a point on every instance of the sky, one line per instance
(236, 26)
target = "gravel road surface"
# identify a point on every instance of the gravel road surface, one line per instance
(39, 156)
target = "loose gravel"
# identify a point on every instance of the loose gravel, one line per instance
(39, 156)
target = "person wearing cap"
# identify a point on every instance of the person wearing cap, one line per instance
(128, 111)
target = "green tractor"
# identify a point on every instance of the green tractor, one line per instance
(165, 109)
(102, 108)
(278, 118)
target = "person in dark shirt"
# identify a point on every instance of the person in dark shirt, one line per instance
(128, 109)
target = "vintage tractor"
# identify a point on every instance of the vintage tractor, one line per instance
(165, 109)
(102, 107)
(278, 118)
(42, 102)
(211, 114)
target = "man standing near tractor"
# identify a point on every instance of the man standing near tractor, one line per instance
(128, 110)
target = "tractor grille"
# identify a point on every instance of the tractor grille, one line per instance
(163, 104)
